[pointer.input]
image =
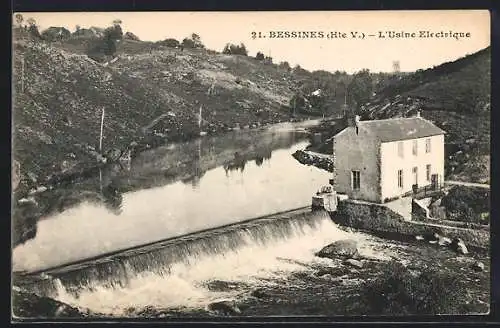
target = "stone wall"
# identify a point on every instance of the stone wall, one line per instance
(381, 220)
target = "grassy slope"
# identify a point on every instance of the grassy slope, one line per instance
(64, 93)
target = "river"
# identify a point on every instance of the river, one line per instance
(178, 189)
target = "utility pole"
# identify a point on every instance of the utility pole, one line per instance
(102, 127)
(22, 74)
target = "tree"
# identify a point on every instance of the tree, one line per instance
(360, 88)
(106, 45)
(56, 33)
(233, 49)
(259, 56)
(77, 28)
(117, 22)
(193, 42)
(33, 28)
(197, 41)
(19, 19)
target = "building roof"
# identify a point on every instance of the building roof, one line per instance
(401, 128)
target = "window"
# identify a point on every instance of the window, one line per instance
(428, 172)
(415, 147)
(401, 151)
(356, 181)
(400, 178)
(415, 175)
(428, 145)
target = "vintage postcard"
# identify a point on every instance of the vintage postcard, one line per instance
(250, 164)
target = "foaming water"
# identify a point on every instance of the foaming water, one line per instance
(185, 284)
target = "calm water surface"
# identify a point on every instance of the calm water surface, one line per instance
(174, 190)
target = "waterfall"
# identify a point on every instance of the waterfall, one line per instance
(170, 273)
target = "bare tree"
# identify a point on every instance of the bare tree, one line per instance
(19, 19)
(31, 21)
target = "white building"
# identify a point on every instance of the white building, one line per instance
(378, 160)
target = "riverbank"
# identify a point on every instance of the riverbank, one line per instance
(379, 219)
(331, 287)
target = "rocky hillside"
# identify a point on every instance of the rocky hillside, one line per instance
(455, 96)
(151, 93)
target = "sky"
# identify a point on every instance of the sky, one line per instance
(348, 54)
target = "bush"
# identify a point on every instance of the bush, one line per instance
(56, 34)
(105, 46)
(398, 291)
(172, 43)
(193, 42)
(466, 204)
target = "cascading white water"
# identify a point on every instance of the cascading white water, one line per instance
(185, 285)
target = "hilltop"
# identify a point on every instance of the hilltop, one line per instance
(455, 96)
(151, 94)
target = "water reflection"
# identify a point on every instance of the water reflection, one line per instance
(171, 191)
(113, 197)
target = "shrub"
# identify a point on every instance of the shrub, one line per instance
(193, 42)
(285, 65)
(56, 34)
(398, 291)
(464, 203)
(172, 43)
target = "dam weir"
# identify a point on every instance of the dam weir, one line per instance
(116, 270)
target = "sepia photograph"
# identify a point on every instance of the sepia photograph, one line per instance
(250, 164)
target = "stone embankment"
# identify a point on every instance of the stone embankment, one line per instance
(379, 219)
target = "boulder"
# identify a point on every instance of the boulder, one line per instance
(346, 248)
(226, 307)
(444, 241)
(354, 263)
(458, 246)
(259, 293)
(478, 266)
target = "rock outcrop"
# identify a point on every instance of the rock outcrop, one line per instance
(225, 307)
(346, 249)
(459, 246)
(27, 306)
